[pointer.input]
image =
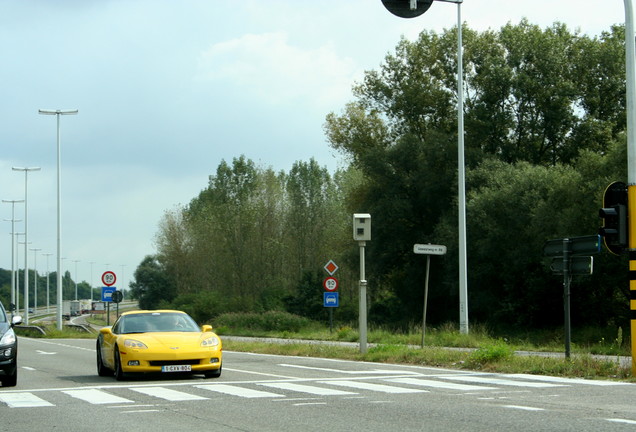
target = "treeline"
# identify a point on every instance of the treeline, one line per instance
(83, 288)
(545, 134)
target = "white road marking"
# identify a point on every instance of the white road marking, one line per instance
(96, 397)
(307, 389)
(615, 420)
(238, 391)
(373, 387)
(439, 384)
(23, 400)
(566, 380)
(499, 381)
(167, 394)
(353, 372)
(523, 408)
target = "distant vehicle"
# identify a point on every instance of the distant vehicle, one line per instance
(85, 306)
(8, 348)
(70, 308)
(162, 341)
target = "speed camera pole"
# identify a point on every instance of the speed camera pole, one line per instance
(362, 233)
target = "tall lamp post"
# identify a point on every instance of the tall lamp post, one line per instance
(47, 255)
(76, 261)
(412, 9)
(13, 221)
(26, 239)
(59, 113)
(35, 276)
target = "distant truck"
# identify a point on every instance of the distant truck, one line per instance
(85, 306)
(70, 308)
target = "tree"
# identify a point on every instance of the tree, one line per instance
(152, 285)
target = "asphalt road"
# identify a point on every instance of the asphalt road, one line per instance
(58, 389)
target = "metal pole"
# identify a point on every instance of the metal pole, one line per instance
(75, 261)
(57, 113)
(35, 277)
(47, 255)
(13, 221)
(566, 296)
(428, 266)
(461, 177)
(363, 301)
(26, 239)
(630, 79)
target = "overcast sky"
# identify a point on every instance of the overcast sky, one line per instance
(167, 89)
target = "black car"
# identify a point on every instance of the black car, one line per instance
(8, 348)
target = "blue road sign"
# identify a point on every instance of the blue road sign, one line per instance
(107, 293)
(330, 299)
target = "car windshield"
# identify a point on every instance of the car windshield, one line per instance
(156, 322)
(3, 316)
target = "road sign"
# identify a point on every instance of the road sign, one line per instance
(331, 267)
(109, 278)
(330, 299)
(429, 249)
(579, 265)
(107, 293)
(584, 245)
(330, 283)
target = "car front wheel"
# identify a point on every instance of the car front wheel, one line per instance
(101, 369)
(214, 373)
(10, 380)
(119, 373)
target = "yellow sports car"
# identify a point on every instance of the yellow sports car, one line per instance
(158, 341)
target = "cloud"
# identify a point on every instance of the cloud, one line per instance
(268, 66)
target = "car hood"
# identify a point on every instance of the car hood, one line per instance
(170, 339)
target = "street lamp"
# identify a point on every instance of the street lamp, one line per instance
(13, 221)
(416, 8)
(35, 275)
(76, 261)
(58, 113)
(47, 255)
(26, 239)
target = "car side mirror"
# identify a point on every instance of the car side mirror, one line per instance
(206, 328)
(105, 330)
(16, 319)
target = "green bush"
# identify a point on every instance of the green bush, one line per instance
(271, 321)
(491, 353)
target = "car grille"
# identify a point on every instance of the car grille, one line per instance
(174, 362)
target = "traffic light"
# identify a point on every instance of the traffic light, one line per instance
(614, 214)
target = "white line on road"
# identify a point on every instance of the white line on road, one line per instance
(238, 391)
(524, 408)
(23, 400)
(96, 397)
(439, 384)
(373, 387)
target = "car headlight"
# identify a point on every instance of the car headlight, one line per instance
(8, 338)
(210, 342)
(132, 343)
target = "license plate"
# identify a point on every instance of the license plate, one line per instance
(176, 368)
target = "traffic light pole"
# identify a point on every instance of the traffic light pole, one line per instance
(630, 70)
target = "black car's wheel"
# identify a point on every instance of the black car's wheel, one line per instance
(101, 369)
(10, 380)
(119, 373)
(214, 373)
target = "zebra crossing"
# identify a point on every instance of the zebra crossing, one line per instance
(129, 395)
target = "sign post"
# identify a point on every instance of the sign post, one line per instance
(428, 250)
(108, 278)
(330, 298)
(568, 260)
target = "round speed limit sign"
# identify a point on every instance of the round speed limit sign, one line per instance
(109, 278)
(330, 283)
